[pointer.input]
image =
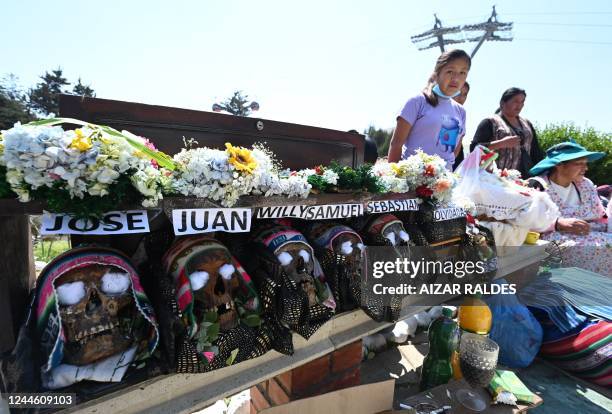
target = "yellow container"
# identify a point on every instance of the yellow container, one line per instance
(532, 237)
(475, 316)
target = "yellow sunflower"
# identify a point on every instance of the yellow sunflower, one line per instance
(80, 142)
(241, 158)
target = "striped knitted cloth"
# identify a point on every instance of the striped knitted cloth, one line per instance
(183, 252)
(585, 352)
(48, 318)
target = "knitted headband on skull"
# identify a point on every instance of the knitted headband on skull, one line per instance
(323, 234)
(46, 306)
(278, 236)
(180, 257)
(381, 223)
(275, 237)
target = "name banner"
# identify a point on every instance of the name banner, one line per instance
(388, 206)
(322, 212)
(207, 220)
(448, 213)
(113, 222)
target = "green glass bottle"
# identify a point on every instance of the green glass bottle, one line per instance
(443, 337)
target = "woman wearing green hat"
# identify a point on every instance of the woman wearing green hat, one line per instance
(581, 222)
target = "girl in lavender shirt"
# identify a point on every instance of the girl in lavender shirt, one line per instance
(432, 120)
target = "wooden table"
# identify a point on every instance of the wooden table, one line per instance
(439, 396)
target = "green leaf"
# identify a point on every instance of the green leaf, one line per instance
(232, 357)
(252, 320)
(58, 121)
(211, 317)
(162, 159)
(213, 332)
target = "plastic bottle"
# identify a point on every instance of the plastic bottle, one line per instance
(443, 337)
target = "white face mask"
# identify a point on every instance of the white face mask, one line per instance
(436, 89)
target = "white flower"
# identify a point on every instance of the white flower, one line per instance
(330, 177)
(85, 162)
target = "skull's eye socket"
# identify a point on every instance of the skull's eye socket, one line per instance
(198, 280)
(115, 283)
(227, 271)
(304, 255)
(346, 248)
(284, 258)
(70, 293)
(391, 237)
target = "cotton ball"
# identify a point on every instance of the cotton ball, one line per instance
(305, 255)
(70, 293)
(284, 258)
(361, 246)
(115, 283)
(391, 237)
(404, 236)
(226, 271)
(346, 248)
(198, 279)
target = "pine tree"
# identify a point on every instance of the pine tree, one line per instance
(13, 103)
(237, 105)
(44, 98)
(83, 90)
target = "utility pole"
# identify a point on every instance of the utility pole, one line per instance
(437, 32)
(491, 26)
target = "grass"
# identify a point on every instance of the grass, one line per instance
(46, 249)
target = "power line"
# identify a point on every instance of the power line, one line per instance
(566, 24)
(554, 13)
(565, 41)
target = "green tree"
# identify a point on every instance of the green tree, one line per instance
(83, 90)
(600, 171)
(44, 97)
(13, 103)
(382, 137)
(237, 105)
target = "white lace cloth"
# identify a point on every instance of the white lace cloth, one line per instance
(503, 199)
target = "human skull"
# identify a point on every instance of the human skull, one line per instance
(348, 250)
(395, 234)
(214, 283)
(98, 312)
(386, 230)
(297, 262)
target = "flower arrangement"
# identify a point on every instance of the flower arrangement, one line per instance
(425, 174)
(85, 171)
(225, 176)
(336, 178)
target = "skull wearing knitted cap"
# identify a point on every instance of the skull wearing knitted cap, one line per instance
(294, 256)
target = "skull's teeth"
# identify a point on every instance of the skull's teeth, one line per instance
(81, 336)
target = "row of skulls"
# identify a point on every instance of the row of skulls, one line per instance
(304, 273)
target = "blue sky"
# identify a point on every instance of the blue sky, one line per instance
(335, 64)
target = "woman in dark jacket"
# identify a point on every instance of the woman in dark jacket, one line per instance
(510, 135)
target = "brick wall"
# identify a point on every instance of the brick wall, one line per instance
(334, 371)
